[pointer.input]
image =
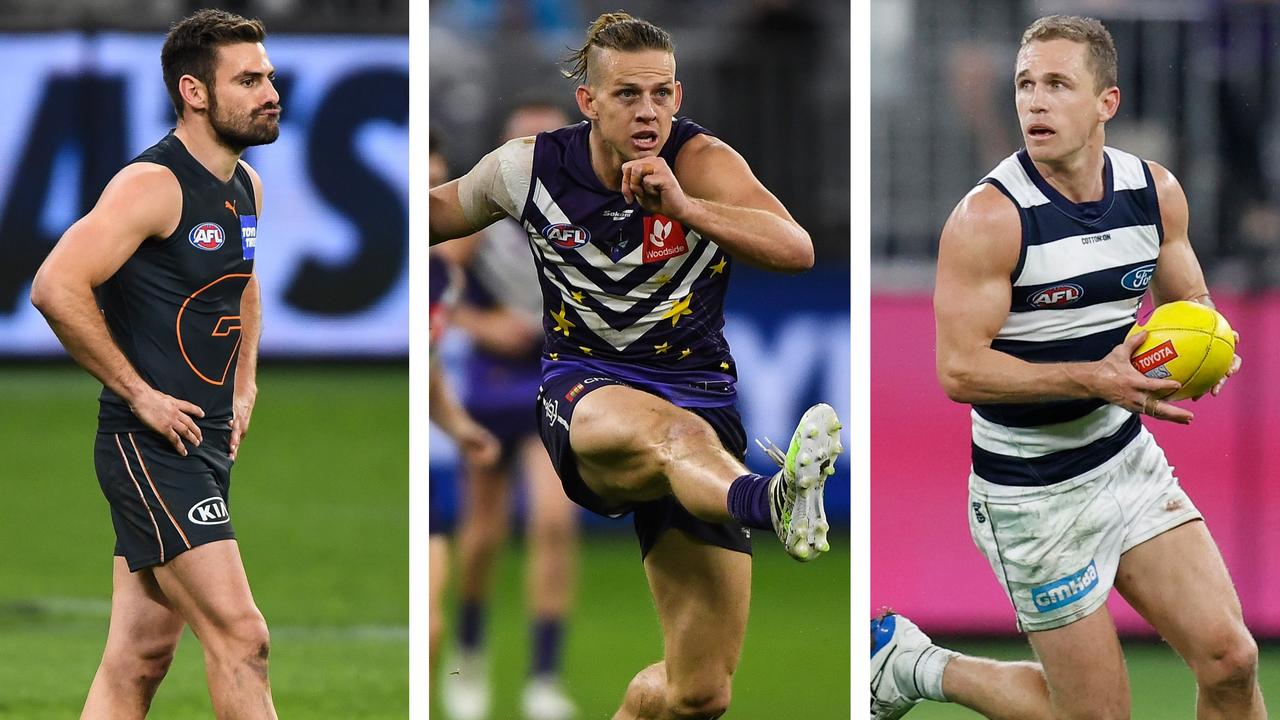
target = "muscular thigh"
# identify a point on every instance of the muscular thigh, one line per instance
(1179, 583)
(208, 586)
(143, 621)
(1084, 667)
(702, 593)
(620, 437)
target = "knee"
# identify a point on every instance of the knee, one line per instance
(144, 664)
(682, 434)
(703, 701)
(150, 661)
(1229, 666)
(244, 639)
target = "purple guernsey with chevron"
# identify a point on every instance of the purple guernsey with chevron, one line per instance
(626, 293)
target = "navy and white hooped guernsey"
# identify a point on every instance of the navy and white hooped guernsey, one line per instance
(1080, 277)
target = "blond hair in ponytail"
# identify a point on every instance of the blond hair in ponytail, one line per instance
(615, 31)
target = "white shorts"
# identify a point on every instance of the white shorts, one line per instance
(1056, 549)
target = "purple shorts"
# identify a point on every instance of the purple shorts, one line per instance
(556, 401)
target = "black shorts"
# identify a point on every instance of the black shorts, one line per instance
(556, 401)
(163, 504)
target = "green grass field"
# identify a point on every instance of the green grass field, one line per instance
(795, 663)
(1162, 686)
(320, 503)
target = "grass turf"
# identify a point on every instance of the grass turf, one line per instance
(1162, 686)
(320, 505)
(795, 661)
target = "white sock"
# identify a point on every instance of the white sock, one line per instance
(921, 670)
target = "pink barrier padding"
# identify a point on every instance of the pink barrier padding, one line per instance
(923, 562)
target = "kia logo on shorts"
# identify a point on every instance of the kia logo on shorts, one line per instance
(210, 511)
(566, 236)
(1056, 296)
(207, 236)
(1138, 278)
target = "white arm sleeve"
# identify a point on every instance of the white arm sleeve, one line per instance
(498, 184)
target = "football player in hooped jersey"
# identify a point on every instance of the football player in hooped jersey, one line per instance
(173, 335)
(633, 217)
(1069, 494)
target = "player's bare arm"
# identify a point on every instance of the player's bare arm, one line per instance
(976, 258)
(246, 390)
(713, 190)
(1178, 275)
(142, 201)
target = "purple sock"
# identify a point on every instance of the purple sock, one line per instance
(749, 501)
(471, 624)
(547, 634)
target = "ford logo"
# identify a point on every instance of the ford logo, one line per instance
(1138, 278)
(1056, 296)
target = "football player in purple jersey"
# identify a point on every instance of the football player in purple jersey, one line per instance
(634, 216)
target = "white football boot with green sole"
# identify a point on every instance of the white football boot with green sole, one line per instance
(799, 517)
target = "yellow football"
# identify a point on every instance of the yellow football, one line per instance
(1188, 342)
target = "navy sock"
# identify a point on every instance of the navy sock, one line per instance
(749, 501)
(471, 624)
(547, 635)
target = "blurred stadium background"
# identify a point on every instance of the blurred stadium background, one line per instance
(1199, 95)
(772, 79)
(321, 492)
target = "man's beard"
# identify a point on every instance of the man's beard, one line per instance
(238, 133)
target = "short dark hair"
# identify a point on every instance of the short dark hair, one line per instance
(616, 31)
(191, 47)
(1085, 30)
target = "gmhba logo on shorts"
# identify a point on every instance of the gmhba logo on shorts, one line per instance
(1067, 590)
(210, 511)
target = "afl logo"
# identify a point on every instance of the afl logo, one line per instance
(1138, 278)
(207, 236)
(564, 235)
(1056, 296)
(210, 511)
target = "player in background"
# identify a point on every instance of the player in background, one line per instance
(633, 217)
(1069, 494)
(153, 293)
(501, 311)
(477, 447)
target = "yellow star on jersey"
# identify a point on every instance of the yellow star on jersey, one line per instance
(562, 323)
(659, 349)
(679, 309)
(685, 353)
(724, 365)
(554, 356)
(719, 267)
(662, 279)
(577, 296)
(585, 350)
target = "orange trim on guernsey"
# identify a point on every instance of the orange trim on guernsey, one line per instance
(141, 497)
(143, 465)
(177, 328)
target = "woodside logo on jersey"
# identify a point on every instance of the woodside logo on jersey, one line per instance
(207, 236)
(663, 239)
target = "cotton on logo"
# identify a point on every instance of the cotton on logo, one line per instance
(663, 239)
